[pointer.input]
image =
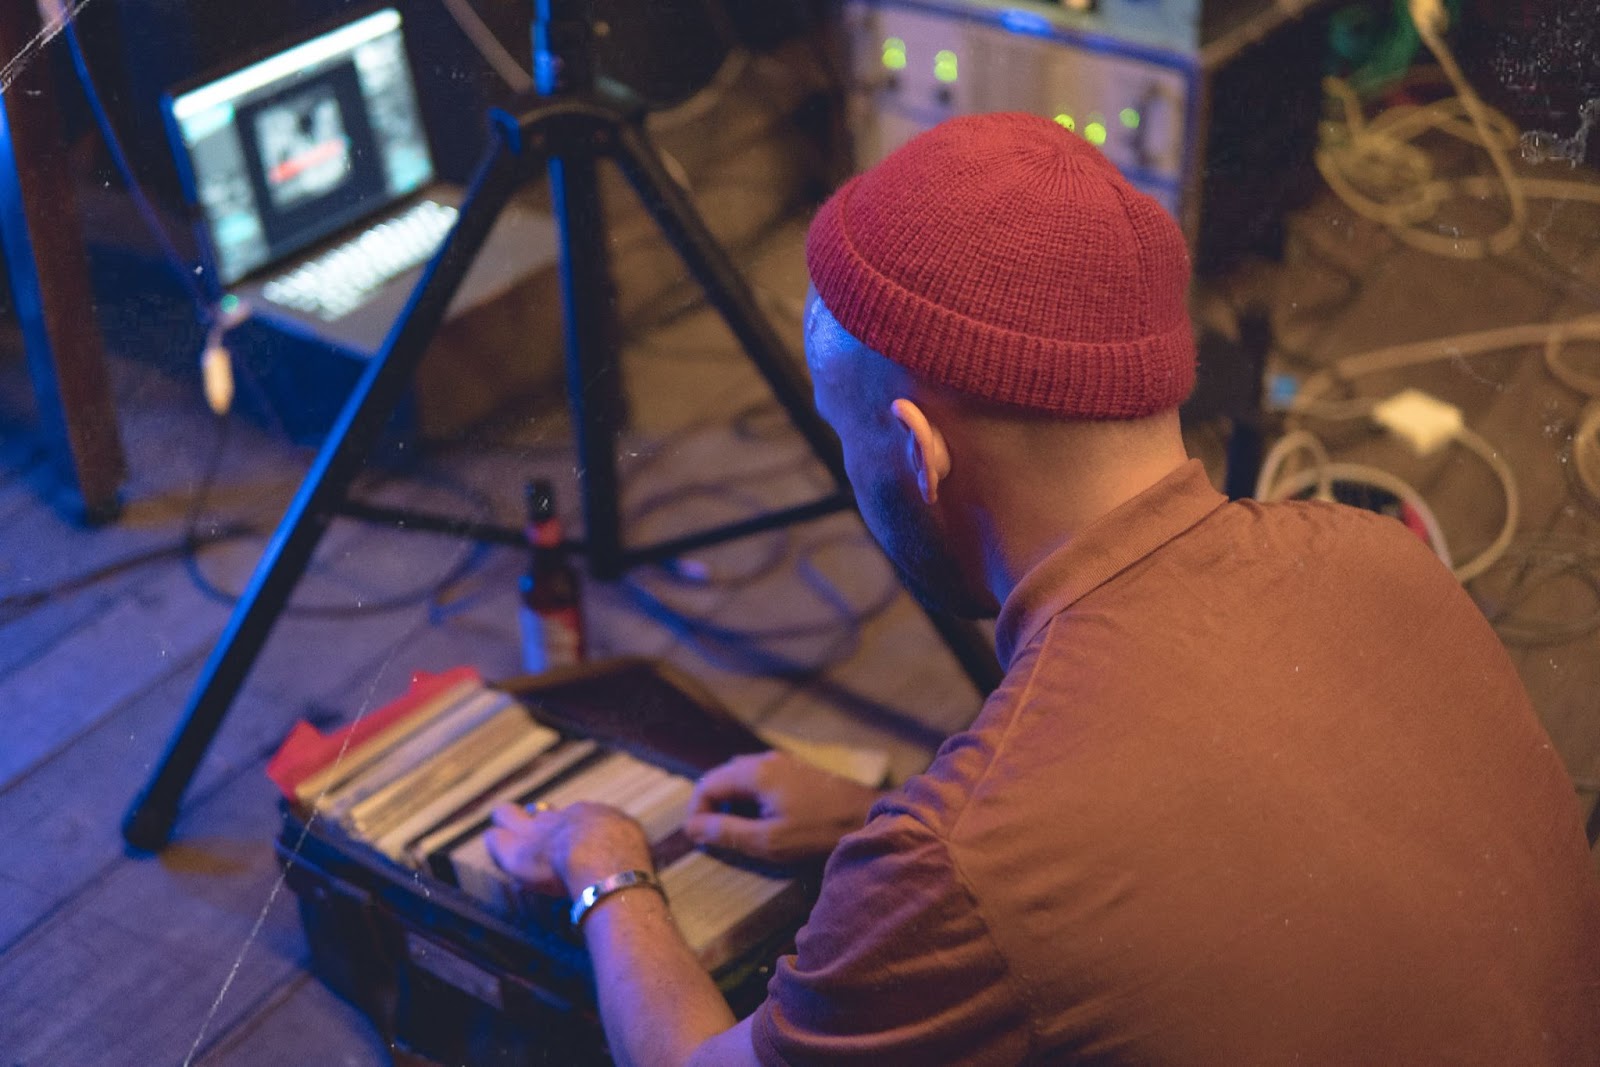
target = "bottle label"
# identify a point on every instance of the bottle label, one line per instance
(550, 639)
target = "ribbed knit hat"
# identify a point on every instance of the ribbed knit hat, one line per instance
(1003, 256)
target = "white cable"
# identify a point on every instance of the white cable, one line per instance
(702, 103)
(1429, 17)
(1586, 438)
(1552, 337)
(1374, 167)
(1270, 486)
(1508, 483)
(1586, 450)
(1281, 450)
(1360, 474)
(678, 172)
(1578, 381)
(488, 45)
(1460, 346)
(1380, 174)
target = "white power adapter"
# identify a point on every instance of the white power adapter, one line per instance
(216, 361)
(1424, 422)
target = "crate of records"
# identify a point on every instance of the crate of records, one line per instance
(408, 916)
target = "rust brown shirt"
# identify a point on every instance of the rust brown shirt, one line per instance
(1260, 786)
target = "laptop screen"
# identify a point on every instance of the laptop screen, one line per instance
(290, 149)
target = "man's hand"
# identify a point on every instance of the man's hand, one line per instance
(795, 811)
(658, 1004)
(559, 852)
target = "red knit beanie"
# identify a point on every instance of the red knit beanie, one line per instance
(1004, 257)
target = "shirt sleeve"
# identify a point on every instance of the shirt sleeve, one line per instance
(894, 966)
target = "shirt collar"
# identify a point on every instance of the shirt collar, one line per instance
(1108, 546)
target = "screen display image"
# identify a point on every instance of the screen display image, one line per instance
(305, 147)
(295, 147)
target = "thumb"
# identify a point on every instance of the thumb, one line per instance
(746, 836)
(729, 783)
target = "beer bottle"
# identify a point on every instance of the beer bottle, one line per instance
(550, 612)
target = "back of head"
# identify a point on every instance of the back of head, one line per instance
(1003, 257)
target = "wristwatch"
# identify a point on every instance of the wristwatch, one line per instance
(590, 895)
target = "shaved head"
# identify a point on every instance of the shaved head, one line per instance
(962, 493)
(866, 378)
(856, 391)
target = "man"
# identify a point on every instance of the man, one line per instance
(1260, 784)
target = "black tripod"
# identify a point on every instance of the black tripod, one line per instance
(573, 123)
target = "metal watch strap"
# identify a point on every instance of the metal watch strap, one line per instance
(591, 895)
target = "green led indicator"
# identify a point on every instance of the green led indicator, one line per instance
(1067, 120)
(1095, 133)
(1130, 118)
(229, 304)
(894, 54)
(944, 66)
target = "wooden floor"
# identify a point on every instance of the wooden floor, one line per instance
(196, 956)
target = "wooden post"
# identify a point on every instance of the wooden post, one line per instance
(43, 243)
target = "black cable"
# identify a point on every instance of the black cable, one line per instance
(741, 649)
(206, 313)
(192, 541)
(14, 606)
(428, 593)
(709, 633)
(731, 647)
(114, 146)
(1557, 273)
(1330, 312)
(1548, 560)
(758, 423)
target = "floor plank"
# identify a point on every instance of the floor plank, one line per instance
(155, 956)
(64, 815)
(303, 1023)
(117, 654)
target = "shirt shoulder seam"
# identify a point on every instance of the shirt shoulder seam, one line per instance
(944, 840)
(1018, 990)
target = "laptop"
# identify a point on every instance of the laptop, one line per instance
(315, 189)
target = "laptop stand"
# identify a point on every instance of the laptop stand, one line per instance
(575, 121)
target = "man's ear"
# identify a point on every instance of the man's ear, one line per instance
(925, 448)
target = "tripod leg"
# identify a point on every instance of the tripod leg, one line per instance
(725, 287)
(149, 822)
(594, 384)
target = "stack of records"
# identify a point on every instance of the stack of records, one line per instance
(420, 790)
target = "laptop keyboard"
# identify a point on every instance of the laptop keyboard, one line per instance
(343, 278)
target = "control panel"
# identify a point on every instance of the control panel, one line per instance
(916, 63)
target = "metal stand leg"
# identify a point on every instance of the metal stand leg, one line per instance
(149, 822)
(567, 133)
(725, 287)
(594, 387)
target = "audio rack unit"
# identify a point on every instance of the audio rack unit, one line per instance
(1210, 108)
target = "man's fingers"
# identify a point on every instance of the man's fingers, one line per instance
(748, 837)
(505, 849)
(521, 858)
(734, 780)
(509, 816)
